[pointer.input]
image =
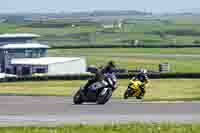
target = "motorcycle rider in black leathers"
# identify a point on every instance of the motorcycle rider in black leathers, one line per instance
(142, 76)
(101, 74)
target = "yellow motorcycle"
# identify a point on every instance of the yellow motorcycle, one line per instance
(134, 90)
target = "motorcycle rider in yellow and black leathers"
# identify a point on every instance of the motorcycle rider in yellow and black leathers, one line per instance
(100, 75)
(142, 76)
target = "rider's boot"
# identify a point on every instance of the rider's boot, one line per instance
(143, 91)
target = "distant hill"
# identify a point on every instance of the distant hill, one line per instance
(118, 13)
(189, 11)
(74, 15)
(84, 14)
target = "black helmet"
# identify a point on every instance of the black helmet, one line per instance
(111, 63)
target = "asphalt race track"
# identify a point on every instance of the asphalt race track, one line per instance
(44, 110)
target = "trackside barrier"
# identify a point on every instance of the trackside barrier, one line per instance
(163, 75)
(87, 76)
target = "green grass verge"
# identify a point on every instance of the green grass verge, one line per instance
(162, 89)
(126, 128)
(125, 57)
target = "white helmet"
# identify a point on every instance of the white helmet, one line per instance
(143, 71)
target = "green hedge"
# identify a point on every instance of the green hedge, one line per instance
(87, 76)
(128, 46)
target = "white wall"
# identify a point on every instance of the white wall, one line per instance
(69, 67)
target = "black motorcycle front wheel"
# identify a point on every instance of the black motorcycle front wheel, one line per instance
(78, 98)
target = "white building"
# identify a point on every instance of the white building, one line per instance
(112, 24)
(52, 65)
(23, 58)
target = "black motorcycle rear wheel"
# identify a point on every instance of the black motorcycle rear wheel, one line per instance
(102, 99)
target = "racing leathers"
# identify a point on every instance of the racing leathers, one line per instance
(144, 79)
(108, 76)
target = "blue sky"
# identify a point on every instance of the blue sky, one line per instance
(156, 6)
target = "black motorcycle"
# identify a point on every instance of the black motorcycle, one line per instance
(99, 92)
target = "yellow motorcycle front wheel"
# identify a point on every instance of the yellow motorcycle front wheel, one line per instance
(127, 93)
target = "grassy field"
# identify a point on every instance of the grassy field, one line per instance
(65, 30)
(128, 128)
(142, 29)
(168, 89)
(7, 28)
(125, 58)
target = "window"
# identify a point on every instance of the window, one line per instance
(40, 70)
(43, 52)
(28, 53)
